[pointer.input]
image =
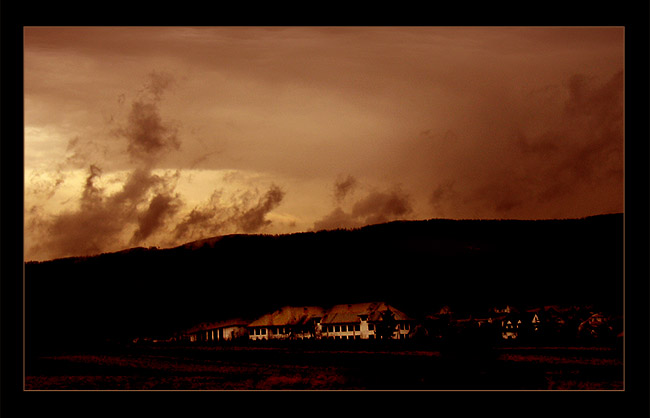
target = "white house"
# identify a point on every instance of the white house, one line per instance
(361, 321)
(288, 322)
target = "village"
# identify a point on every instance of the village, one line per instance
(382, 321)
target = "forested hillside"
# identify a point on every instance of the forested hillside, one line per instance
(414, 265)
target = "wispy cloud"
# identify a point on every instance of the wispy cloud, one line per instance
(374, 207)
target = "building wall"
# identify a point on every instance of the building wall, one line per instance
(363, 330)
(213, 335)
(349, 331)
(258, 333)
(403, 330)
(278, 332)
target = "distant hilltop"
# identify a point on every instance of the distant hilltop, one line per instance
(411, 264)
(400, 228)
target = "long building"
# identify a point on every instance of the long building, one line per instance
(289, 322)
(217, 331)
(365, 321)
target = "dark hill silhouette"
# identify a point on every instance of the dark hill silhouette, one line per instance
(415, 265)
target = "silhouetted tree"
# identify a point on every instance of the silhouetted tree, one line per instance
(385, 327)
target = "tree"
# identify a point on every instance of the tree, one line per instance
(385, 327)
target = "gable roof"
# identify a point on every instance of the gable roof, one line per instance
(289, 315)
(349, 313)
(206, 326)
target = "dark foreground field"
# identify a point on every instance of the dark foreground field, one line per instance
(329, 368)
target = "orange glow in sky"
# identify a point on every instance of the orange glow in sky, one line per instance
(157, 136)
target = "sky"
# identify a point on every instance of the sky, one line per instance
(158, 136)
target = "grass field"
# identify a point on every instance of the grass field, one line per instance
(331, 368)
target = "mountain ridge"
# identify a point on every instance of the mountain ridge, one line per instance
(213, 240)
(414, 265)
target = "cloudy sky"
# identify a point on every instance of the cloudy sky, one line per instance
(157, 136)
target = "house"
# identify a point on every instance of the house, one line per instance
(288, 322)
(208, 332)
(529, 324)
(596, 326)
(510, 326)
(371, 320)
(534, 317)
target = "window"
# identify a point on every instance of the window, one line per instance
(344, 328)
(263, 331)
(337, 328)
(357, 327)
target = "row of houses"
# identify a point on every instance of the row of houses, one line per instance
(379, 320)
(363, 321)
(547, 322)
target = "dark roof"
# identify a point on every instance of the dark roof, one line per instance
(289, 315)
(206, 326)
(350, 313)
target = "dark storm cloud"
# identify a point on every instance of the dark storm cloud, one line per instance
(88, 230)
(91, 194)
(145, 201)
(582, 149)
(379, 207)
(375, 207)
(513, 122)
(335, 220)
(138, 182)
(146, 204)
(254, 219)
(102, 219)
(147, 136)
(245, 213)
(343, 187)
(161, 207)
(201, 222)
(591, 138)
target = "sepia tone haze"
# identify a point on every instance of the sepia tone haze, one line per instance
(157, 136)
